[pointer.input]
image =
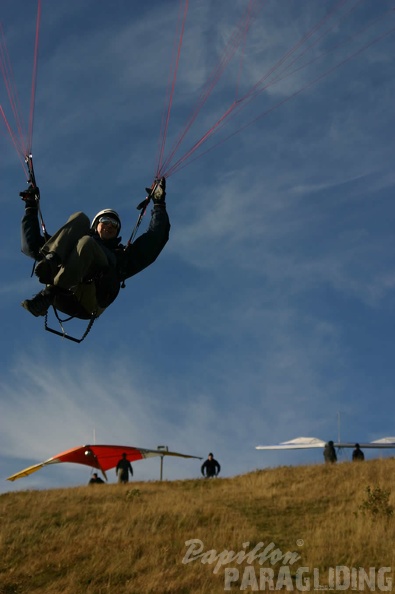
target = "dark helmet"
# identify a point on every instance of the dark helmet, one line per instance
(107, 212)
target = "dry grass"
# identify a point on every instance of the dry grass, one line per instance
(131, 539)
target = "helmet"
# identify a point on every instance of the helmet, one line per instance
(112, 214)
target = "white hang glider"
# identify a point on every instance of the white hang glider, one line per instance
(300, 443)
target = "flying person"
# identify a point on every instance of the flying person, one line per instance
(84, 263)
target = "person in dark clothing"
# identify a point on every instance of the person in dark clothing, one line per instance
(123, 468)
(330, 453)
(358, 454)
(96, 480)
(210, 467)
(84, 263)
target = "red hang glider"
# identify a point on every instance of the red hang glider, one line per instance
(102, 457)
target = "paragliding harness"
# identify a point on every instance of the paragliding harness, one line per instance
(65, 301)
(63, 333)
(36, 193)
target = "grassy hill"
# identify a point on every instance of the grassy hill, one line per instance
(132, 538)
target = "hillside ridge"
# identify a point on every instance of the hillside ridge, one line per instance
(177, 536)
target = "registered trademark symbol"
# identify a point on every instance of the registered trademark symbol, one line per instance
(300, 542)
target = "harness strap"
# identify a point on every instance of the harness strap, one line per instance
(63, 334)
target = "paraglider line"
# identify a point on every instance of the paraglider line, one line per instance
(34, 77)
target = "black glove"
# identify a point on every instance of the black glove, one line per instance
(30, 196)
(159, 194)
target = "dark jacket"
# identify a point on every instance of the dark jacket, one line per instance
(358, 454)
(330, 453)
(96, 480)
(123, 468)
(211, 467)
(123, 262)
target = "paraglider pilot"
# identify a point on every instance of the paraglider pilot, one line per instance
(84, 263)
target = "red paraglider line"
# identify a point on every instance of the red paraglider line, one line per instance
(14, 141)
(181, 164)
(234, 42)
(34, 79)
(299, 44)
(308, 48)
(166, 119)
(6, 70)
(231, 48)
(255, 90)
(21, 141)
(286, 74)
(242, 50)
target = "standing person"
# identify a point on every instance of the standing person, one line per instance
(123, 468)
(84, 264)
(358, 454)
(210, 468)
(330, 453)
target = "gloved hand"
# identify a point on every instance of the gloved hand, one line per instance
(30, 196)
(159, 194)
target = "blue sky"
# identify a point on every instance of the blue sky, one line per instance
(270, 313)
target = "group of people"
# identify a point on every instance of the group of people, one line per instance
(209, 469)
(330, 453)
(122, 470)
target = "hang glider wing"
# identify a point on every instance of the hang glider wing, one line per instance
(26, 471)
(314, 442)
(295, 444)
(384, 442)
(102, 457)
